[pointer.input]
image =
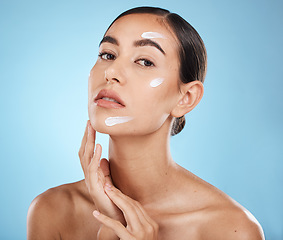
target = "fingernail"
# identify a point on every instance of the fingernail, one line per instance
(108, 188)
(96, 213)
(108, 185)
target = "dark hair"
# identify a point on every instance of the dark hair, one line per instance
(192, 52)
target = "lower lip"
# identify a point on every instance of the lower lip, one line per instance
(108, 104)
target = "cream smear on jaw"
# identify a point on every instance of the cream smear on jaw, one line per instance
(156, 82)
(111, 121)
(152, 35)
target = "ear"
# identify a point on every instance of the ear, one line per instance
(190, 96)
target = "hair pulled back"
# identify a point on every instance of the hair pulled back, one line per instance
(192, 52)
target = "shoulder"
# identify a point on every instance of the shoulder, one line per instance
(217, 216)
(49, 209)
(54, 198)
(211, 214)
(231, 222)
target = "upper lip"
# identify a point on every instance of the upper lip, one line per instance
(109, 94)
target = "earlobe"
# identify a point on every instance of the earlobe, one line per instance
(191, 94)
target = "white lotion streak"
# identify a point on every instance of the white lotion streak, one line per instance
(111, 121)
(156, 82)
(150, 35)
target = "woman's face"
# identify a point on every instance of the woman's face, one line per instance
(133, 86)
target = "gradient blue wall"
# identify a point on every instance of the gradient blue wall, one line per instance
(233, 139)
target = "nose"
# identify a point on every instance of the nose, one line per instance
(115, 72)
(110, 79)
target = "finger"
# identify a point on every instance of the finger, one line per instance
(133, 215)
(146, 216)
(92, 169)
(104, 165)
(138, 221)
(94, 163)
(90, 143)
(115, 225)
(82, 148)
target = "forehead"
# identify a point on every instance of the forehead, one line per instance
(140, 20)
(137, 26)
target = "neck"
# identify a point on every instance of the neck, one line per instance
(141, 165)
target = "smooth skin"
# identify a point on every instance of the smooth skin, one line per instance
(140, 193)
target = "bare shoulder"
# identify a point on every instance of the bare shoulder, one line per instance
(49, 211)
(216, 215)
(231, 222)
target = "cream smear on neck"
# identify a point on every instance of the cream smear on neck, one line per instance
(111, 121)
(156, 82)
(150, 35)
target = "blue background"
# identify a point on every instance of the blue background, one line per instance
(233, 139)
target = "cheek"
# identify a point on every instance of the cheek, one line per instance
(153, 99)
(111, 121)
(96, 78)
(156, 82)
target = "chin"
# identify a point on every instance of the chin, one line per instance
(117, 130)
(131, 129)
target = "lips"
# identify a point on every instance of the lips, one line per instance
(108, 99)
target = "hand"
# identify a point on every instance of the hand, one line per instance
(97, 174)
(139, 225)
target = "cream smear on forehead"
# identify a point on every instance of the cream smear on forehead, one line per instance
(156, 82)
(111, 121)
(152, 35)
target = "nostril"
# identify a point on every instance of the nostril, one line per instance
(116, 79)
(112, 80)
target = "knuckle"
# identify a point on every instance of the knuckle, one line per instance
(156, 226)
(81, 158)
(88, 155)
(149, 229)
(80, 153)
(89, 169)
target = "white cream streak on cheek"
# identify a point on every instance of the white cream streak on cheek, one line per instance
(152, 35)
(111, 121)
(156, 82)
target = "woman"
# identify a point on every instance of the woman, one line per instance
(148, 75)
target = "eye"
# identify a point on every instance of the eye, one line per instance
(145, 63)
(106, 56)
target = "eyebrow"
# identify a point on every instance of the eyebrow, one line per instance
(138, 43)
(148, 42)
(109, 40)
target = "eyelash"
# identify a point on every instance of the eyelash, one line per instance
(151, 64)
(101, 55)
